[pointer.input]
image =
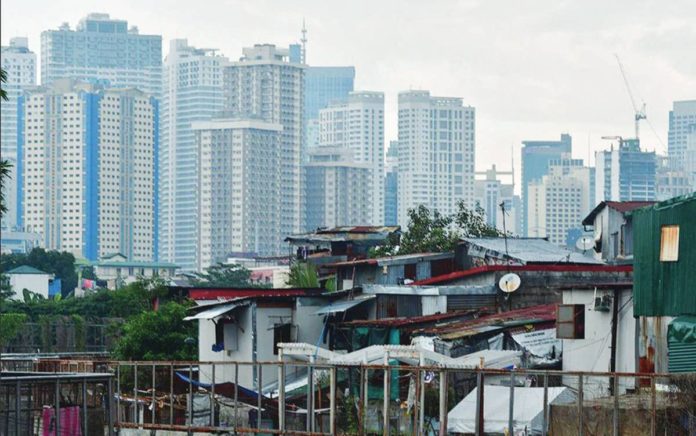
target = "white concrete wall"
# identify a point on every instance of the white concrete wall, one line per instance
(36, 283)
(594, 352)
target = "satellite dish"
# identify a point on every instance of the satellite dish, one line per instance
(585, 243)
(509, 283)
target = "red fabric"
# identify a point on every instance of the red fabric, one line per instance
(69, 422)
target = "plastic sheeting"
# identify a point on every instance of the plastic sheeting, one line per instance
(528, 409)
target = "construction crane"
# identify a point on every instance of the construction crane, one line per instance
(638, 113)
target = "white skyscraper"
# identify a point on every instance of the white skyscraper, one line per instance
(192, 91)
(560, 200)
(239, 180)
(339, 189)
(625, 173)
(88, 169)
(20, 65)
(357, 126)
(490, 192)
(103, 49)
(681, 144)
(436, 153)
(264, 84)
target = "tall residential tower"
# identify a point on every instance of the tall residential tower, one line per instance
(436, 153)
(20, 65)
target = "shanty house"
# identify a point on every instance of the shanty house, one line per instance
(665, 275)
(612, 229)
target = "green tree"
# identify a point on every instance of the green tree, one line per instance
(10, 325)
(158, 335)
(303, 275)
(221, 275)
(430, 231)
(60, 263)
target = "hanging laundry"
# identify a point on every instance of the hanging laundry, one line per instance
(69, 421)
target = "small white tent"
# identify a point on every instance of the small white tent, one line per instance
(528, 409)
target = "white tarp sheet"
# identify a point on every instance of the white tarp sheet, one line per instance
(528, 409)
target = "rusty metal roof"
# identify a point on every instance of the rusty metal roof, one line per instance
(528, 315)
(396, 260)
(410, 321)
(620, 206)
(340, 234)
(525, 250)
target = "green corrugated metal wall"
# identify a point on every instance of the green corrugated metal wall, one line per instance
(664, 288)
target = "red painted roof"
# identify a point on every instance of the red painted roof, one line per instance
(229, 293)
(538, 267)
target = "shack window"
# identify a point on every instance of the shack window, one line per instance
(570, 321)
(669, 244)
(281, 333)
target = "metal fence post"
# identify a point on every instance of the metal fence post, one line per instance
(364, 398)
(479, 402)
(653, 406)
(56, 409)
(385, 399)
(545, 416)
(332, 400)
(615, 418)
(109, 408)
(236, 396)
(84, 405)
(281, 391)
(154, 398)
(259, 394)
(443, 402)
(190, 399)
(135, 394)
(18, 407)
(212, 396)
(581, 400)
(171, 393)
(511, 403)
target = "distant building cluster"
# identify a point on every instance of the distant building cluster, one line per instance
(186, 158)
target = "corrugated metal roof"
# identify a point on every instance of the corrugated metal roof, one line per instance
(529, 315)
(230, 293)
(620, 206)
(408, 321)
(396, 260)
(218, 310)
(527, 250)
(341, 306)
(664, 288)
(26, 269)
(339, 234)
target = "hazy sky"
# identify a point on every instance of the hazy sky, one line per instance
(532, 69)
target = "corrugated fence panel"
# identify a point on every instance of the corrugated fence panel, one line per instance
(464, 302)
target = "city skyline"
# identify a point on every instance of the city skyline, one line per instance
(517, 93)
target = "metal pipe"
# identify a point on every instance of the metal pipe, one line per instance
(581, 418)
(385, 399)
(84, 405)
(545, 415)
(443, 402)
(616, 406)
(511, 403)
(281, 392)
(332, 401)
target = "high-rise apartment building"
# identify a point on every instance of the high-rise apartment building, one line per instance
(489, 193)
(671, 182)
(436, 153)
(192, 91)
(560, 200)
(88, 165)
(103, 49)
(20, 65)
(264, 84)
(239, 188)
(625, 173)
(339, 189)
(391, 185)
(323, 86)
(681, 143)
(357, 125)
(536, 156)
